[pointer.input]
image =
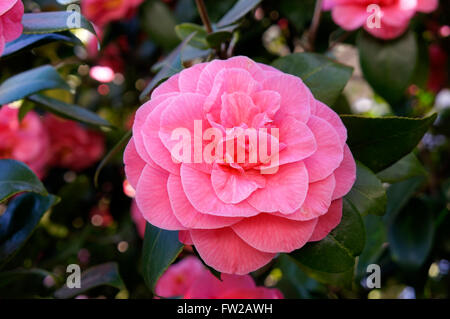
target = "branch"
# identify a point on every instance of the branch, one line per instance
(204, 15)
(315, 24)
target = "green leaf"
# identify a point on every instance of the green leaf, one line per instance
(376, 238)
(294, 282)
(16, 177)
(367, 195)
(215, 39)
(184, 30)
(119, 146)
(159, 22)
(69, 111)
(190, 53)
(17, 275)
(398, 195)
(161, 248)
(409, 166)
(388, 66)
(325, 78)
(104, 274)
(57, 21)
(26, 41)
(29, 82)
(342, 279)
(411, 235)
(380, 142)
(170, 66)
(19, 220)
(336, 252)
(238, 11)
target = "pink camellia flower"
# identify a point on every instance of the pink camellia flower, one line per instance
(102, 12)
(25, 141)
(71, 145)
(239, 211)
(189, 279)
(11, 12)
(393, 15)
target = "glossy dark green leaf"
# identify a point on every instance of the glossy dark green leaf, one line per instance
(336, 252)
(190, 53)
(161, 248)
(342, 105)
(388, 66)
(409, 166)
(184, 30)
(29, 82)
(170, 66)
(159, 22)
(27, 41)
(380, 142)
(16, 177)
(398, 195)
(325, 77)
(215, 39)
(69, 111)
(294, 282)
(411, 235)
(19, 220)
(341, 279)
(100, 275)
(57, 21)
(376, 240)
(367, 195)
(237, 12)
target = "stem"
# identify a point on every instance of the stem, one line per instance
(315, 24)
(204, 15)
(339, 40)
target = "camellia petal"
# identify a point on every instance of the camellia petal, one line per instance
(233, 186)
(198, 189)
(133, 164)
(187, 214)
(324, 112)
(187, 81)
(152, 199)
(350, 17)
(273, 234)
(329, 154)
(295, 96)
(285, 190)
(328, 222)
(317, 202)
(223, 250)
(345, 174)
(139, 120)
